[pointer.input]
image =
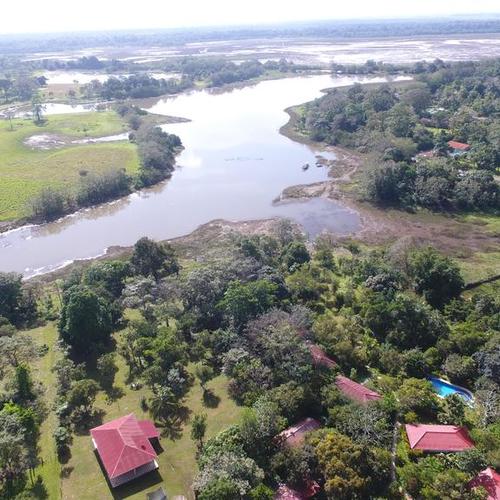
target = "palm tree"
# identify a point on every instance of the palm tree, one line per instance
(163, 404)
(198, 429)
(37, 108)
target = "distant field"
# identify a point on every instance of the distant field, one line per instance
(25, 171)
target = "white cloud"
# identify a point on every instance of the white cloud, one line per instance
(61, 15)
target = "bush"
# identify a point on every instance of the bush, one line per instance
(100, 188)
(48, 205)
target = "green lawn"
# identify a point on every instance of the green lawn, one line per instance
(25, 171)
(85, 479)
(81, 477)
(50, 468)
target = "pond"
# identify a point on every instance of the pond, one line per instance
(58, 108)
(234, 165)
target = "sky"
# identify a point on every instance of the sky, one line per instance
(65, 15)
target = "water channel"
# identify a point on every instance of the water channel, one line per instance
(234, 165)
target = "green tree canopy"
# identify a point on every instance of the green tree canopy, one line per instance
(85, 321)
(152, 258)
(437, 277)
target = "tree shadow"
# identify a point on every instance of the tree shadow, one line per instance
(39, 490)
(66, 472)
(173, 426)
(94, 420)
(64, 455)
(210, 399)
(113, 394)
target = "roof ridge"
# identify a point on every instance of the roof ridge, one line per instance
(137, 448)
(358, 384)
(423, 433)
(118, 460)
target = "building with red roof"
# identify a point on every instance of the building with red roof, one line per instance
(296, 434)
(307, 490)
(458, 148)
(320, 358)
(438, 437)
(489, 479)
(124, 448)
(354, 391)
(462, 146)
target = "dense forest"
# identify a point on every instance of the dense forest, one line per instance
(406, 131)
(284, 324)
(20, 44)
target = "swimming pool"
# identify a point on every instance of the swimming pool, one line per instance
(444, 388)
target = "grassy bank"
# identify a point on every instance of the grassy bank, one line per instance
(25, 171)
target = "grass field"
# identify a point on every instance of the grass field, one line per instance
(50, 467)
(82, 478)
(25, 171)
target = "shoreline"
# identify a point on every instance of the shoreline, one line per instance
(11, 225)
(379, 226)
(158, 120)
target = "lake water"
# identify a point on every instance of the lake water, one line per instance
(234, 165)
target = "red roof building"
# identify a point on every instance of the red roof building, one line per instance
(308, 490)
(459, 146)
(319, 356)
(354, 391)
(489, 479)
(438, 437)
(125, 449)
(295, 435)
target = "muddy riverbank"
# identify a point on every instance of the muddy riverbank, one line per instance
(379, 226)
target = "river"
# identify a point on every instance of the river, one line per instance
(235, 163)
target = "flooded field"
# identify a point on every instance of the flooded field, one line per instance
(318, 51)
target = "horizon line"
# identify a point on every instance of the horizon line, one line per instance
(478, 16)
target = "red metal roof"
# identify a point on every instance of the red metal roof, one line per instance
(489, 479)
(356, 392)
(308, 490)
(149, 429)
(438, 437)
(286, 493)
(459, 145)
(123, 445)
(295, 435)
(319, 356)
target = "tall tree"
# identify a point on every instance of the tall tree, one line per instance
(350, 470)
(163, 404)
(86, 321)
(437, 277)
(152, 258)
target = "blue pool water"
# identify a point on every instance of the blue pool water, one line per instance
(446, 389)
